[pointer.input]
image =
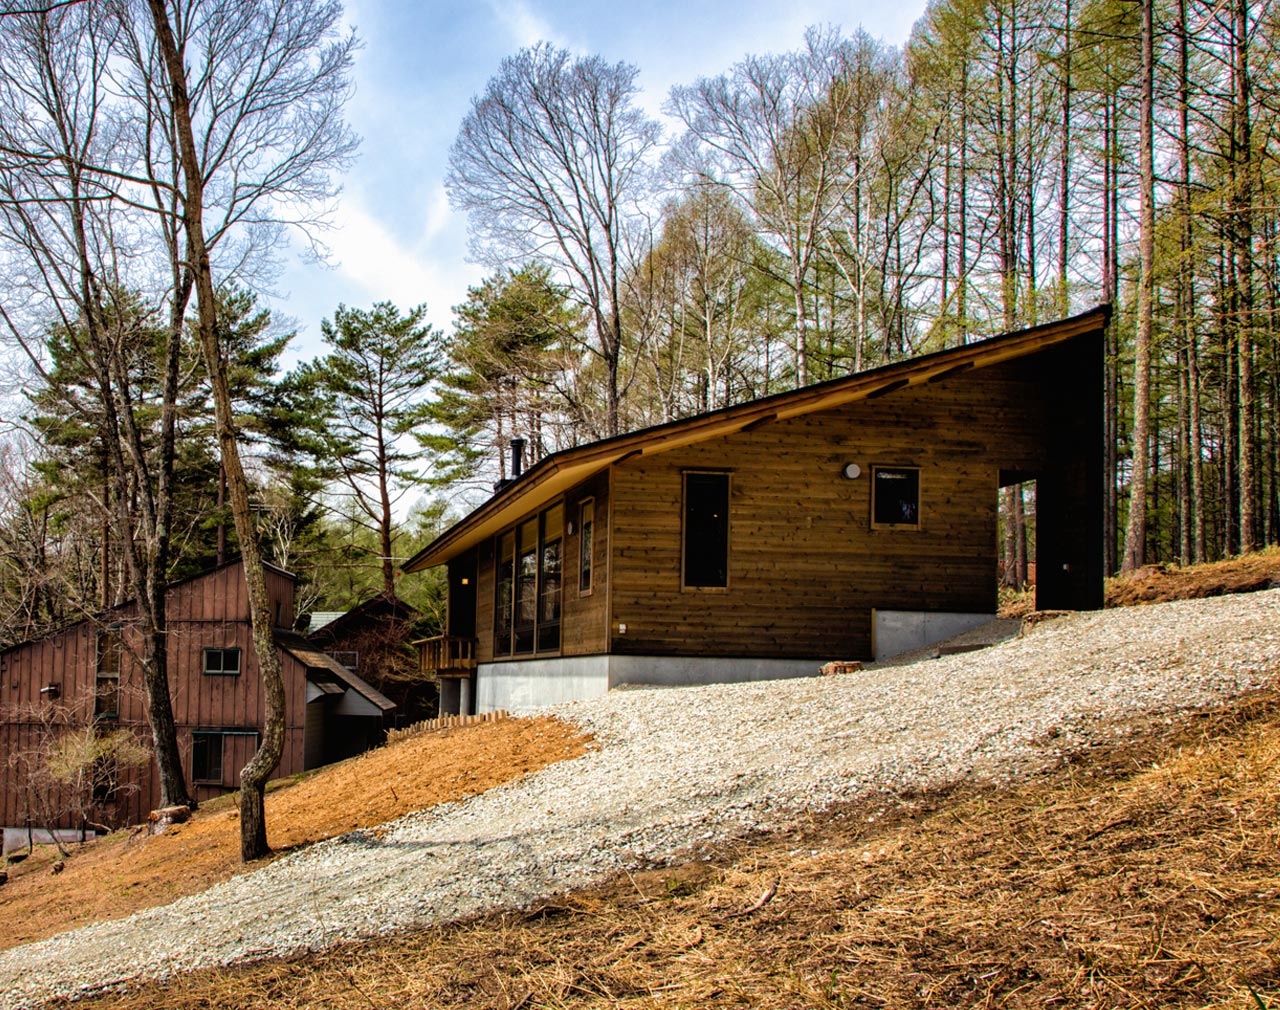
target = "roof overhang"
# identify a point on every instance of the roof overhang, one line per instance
(557, 473)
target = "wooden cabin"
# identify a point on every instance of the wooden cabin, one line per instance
(767, 538)
(374, 641)
(87, 674)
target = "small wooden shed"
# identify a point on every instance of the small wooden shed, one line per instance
(767, 538)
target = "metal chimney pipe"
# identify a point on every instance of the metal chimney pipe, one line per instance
(517, 457)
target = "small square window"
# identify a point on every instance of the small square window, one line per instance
(222, 662)
(895, 496)
(351, 660)
(206, 757)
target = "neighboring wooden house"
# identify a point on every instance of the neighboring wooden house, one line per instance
(766, 538)
(89, 670)
(373, 640)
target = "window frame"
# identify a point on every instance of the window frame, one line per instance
(587, 536)
(504, 616)
(338, 654)
(685, 585)
(526, 544)
(109, 645)
(209, 735)
(223, 650)
(918, 524)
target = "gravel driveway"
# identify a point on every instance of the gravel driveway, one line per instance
(682, 767)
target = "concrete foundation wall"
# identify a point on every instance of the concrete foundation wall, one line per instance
(898, 631)
(531, 683)
(684, 671)
(16, 838)
(525, 684)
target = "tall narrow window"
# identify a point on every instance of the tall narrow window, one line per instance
(206, 757)
(526, 586)
(549, 579)
(895, 496)
(106, 701)
(502, 604)
(586, 543)
(706, 530)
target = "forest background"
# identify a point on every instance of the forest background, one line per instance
(817, 212)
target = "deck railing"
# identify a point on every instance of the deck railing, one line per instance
(447, 655)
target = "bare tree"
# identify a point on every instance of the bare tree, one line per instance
(551, 162)
(777, 130)
(62, 167)
(1135, 537)
(254, 91)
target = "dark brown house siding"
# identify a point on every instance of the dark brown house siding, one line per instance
(207, 611)
(584, 616)
(806, 563)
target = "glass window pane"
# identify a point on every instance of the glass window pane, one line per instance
(895, 496)
(586, 545)
(706, 529)
(504, 596)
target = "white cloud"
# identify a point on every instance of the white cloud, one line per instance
(525, 26)
(373, 259)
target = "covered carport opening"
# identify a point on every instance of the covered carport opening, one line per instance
(1069, 480)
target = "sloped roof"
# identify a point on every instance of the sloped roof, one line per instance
(315, 660)
(380, 605)
(557, 473)
(103, 616)
(322, 619)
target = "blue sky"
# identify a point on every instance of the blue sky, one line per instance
(394, 235)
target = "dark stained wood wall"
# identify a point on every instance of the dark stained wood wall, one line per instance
(207, 611)
(805, 565)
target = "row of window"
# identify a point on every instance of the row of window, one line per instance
(106, 700)
(529, 558)
(530, 579)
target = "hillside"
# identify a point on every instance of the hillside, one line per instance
(1140, 874)
(127, 872)
(915, 781)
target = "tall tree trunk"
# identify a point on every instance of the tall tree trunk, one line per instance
(254, 775)
(1136, 530)
(1064, 169)
(1194, 446)
(962, 265)
(1243, 236)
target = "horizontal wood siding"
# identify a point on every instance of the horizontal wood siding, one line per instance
(805, 566)
(486, 573)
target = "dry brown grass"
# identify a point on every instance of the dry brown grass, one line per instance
(1163, 583)
(1158, 583)
(1139, 875)
(118, 875)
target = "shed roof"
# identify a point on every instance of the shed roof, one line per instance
(326, 625)
(329, 668)
(557, 473)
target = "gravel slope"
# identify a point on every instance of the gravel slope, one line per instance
(677, 768)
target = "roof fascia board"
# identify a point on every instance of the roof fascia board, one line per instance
(561, 471)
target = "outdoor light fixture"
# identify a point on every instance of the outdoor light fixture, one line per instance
(851, 471)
